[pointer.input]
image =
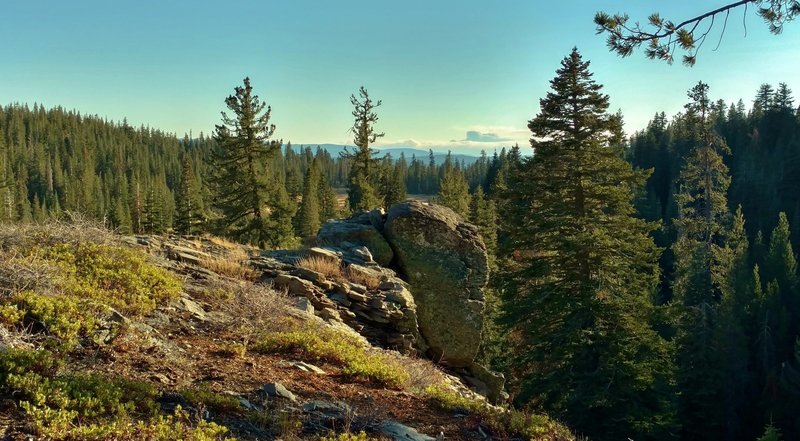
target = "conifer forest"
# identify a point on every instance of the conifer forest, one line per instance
(644, 285)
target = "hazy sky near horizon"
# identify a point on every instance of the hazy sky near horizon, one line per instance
(461, 75)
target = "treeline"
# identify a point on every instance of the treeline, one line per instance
(648, 288)
(738, 357)
(56, 160)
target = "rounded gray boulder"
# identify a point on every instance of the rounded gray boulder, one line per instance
(445, 262)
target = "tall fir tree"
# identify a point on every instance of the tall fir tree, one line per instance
(362, 185)
(243, 190)
(308, 217)
(453, 189)
(702, 265)
(582, 272)
(188, 200)
(483, 214)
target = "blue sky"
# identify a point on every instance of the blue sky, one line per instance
(449, 72)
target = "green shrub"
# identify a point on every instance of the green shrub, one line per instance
(60, 425)
(23, 361)
(339, 349)
(501, 421)
(112, 275)
(91, 407)
(361, 436)
(85, 280)
(204, 397)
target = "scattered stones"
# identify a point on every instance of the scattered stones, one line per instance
(277, 390)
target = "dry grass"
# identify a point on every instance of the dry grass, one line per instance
(73, 229)
(328, 267)
(224, 243)
(231, 266)
(256, 309)
(362, 278)
(421, 373)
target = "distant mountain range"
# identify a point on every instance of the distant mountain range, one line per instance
(395, 152)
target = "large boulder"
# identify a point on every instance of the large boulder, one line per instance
(358, 231)
(445, 262)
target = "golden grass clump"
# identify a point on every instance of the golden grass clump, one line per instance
(231, 266)
(363, 278)
(330, 268)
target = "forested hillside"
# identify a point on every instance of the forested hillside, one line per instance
(56, 160)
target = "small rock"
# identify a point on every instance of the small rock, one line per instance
(327, 408)
(310, 275)
(401, 432)
(330, 314)
(340, 299)
(361, 289)
(192, 307)
(357, 297)
(324, 254)
(279, 391)
(308, 367)
(363, 254)
(303, 304)
(159, 377)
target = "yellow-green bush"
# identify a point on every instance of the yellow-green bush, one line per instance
(85, 279)
(59, 425)
(502, 421)
(90, 407)
(361, 436)
(111, 275)
(336, 348)
(23, 361)
(212, 400)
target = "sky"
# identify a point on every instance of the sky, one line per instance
(453, 75)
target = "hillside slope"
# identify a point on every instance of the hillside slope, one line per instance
(103, 338)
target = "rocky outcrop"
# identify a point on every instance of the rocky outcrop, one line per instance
(363, 230)
(445, 262)
(384, 313)
(410, 280)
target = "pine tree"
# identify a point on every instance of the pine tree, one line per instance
(582, 271)
(483, 214)
(188, 200)
(328, 201)
(453, 189)
(393, 186)
(279, 224)
(735, 327)
(778, 317)
(309, 214)
(153, 213)
(363, 178)
(240, 165)
(702, 265)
